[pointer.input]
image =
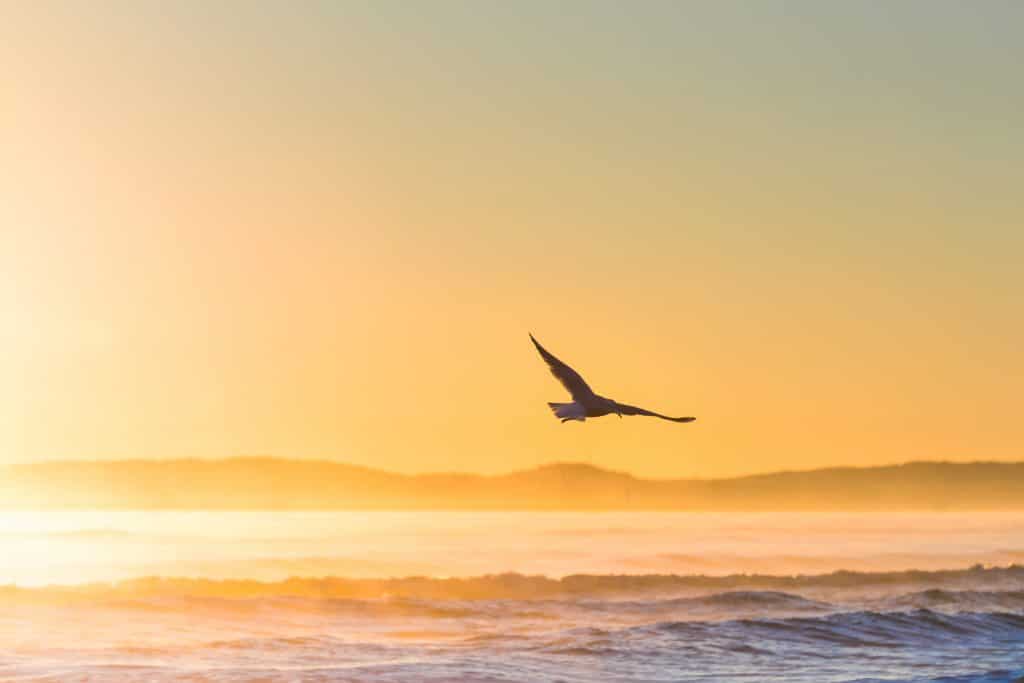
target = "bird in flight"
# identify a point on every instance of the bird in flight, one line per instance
(585, 403)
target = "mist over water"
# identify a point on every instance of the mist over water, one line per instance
(78, 547)
(244, 596)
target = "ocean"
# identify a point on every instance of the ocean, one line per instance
(475, 597)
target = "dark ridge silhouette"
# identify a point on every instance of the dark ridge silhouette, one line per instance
(262, 483)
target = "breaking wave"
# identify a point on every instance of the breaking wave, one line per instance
(977, 583)
(957, 626)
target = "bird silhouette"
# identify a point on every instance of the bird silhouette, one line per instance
(585, 403)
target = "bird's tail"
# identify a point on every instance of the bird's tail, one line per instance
(568, 411)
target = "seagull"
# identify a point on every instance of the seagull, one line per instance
(585, 403)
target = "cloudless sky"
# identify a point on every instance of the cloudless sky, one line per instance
(324, 229)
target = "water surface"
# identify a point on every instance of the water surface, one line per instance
(510, 597)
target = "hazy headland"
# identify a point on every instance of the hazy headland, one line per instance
(264, 483)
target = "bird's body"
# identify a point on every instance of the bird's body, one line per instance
(577, 410)
(585, 402)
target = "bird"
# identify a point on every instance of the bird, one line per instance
(585, 403)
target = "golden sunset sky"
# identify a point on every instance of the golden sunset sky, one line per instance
(324, 229)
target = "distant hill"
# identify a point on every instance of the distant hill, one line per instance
(281, 484)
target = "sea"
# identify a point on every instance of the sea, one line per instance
(511, 596)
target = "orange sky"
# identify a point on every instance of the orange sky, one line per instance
(325, 231)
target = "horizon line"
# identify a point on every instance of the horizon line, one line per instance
(439, 473)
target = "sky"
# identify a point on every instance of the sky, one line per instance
(324, 230)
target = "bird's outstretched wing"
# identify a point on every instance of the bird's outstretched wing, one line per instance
(633, 410)
(569, 378)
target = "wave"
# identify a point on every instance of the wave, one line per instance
(884, 634)
(756, 599)
(552, 611)
(860, 629)
(1007, 582)
(919, 631)
(965, 600)
(748, 634)
(720, 605)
